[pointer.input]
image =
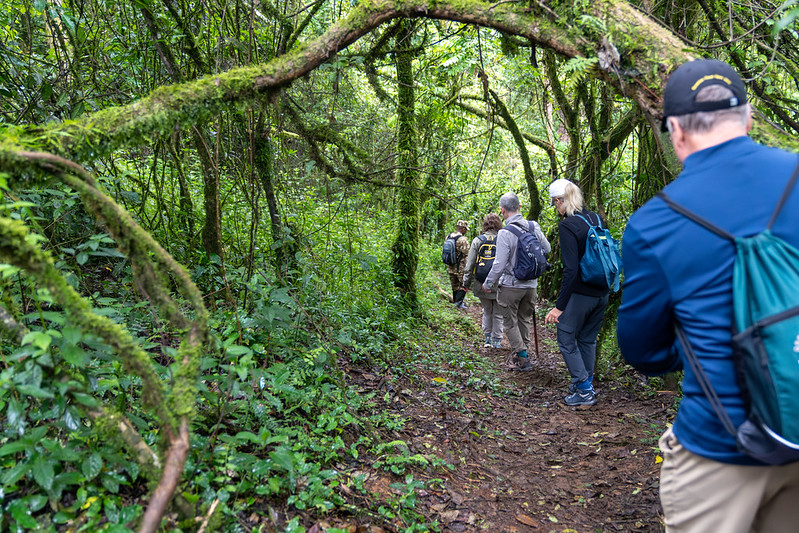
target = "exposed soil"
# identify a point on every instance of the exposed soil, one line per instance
(528, 462)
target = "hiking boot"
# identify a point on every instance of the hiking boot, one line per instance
(520, 364)
(573, 387)
(487, 343)
(581, 397)
(496, 342)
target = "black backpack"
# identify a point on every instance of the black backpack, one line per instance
(485, 257)
(449, 252)
(530, 259)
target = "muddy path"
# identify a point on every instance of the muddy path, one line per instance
(524, 461)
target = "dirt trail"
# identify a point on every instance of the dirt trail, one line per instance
(529, 462)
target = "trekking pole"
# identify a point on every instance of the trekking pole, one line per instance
(535, 332)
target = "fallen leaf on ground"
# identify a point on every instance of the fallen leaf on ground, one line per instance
(526, 520)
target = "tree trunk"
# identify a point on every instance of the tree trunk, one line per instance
(405, 250)
(264, 166)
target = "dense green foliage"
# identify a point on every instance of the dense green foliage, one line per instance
(234, 260)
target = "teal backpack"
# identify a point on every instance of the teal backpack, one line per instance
(765, 340)
(601, 262)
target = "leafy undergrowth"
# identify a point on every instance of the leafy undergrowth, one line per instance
(387, 424)
(474, 447)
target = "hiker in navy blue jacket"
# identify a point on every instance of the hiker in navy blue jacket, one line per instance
(677, 272)
(580, 307)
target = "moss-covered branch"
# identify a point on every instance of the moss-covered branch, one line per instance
(651, 49)
(155, 271)
(16, 248)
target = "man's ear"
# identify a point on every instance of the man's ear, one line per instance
(750, 121)
(678, 139)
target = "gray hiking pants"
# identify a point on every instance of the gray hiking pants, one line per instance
(492, 318)
(517, 306)
(578, 328)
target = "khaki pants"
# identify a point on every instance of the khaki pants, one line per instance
(517, 306)
(700, 495)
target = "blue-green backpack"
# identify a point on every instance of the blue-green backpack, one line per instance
(765, 340)
(601, 262)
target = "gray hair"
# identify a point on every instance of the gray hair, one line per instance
(510, 202)
(572, 199)
(704, 121)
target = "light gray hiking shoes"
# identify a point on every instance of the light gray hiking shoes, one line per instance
(580, 397)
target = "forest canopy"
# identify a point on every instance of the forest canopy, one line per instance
(207, 209)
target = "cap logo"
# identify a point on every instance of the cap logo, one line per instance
(703, 79)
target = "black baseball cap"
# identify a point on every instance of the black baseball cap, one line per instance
(683, 84)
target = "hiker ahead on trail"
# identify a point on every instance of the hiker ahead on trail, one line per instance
(455, 250)
(688, 288)
(478, 264)
(580, 306)
(521, 246)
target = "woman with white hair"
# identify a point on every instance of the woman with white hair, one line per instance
(580, 307)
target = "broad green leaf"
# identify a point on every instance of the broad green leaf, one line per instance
(92, 466)
(245, 435)
(21, 514)
(15, 473)
(36, 392)
(39, 339)
(35, 435)
(36, 502)
(283, 457)
(71, 418)
(111, 484)
(43, 472)
(85, 399)
(111, 510)
(69, 478)
(72, 335)
(236, 349)
(13, 447)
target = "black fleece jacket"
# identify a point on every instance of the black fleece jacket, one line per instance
(572, 231)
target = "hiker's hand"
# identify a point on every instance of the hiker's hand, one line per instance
(486, 289)
(553, 316)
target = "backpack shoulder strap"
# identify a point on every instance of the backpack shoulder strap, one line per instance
(513, 228)
(784, 197)
(584, 220)
(696, 218)
(703, 380)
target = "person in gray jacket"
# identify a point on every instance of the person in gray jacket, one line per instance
(515, 297)
(492, 314)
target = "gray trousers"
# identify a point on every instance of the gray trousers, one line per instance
(578, 328)
(517, 307)
(492, 318)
